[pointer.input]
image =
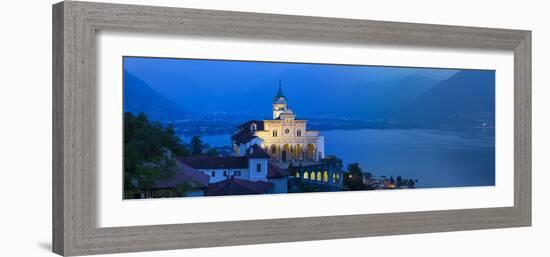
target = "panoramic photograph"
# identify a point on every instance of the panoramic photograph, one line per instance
(197, 127)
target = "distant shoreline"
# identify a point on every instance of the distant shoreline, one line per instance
(443, 129)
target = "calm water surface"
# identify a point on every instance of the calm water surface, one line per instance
(436, 158)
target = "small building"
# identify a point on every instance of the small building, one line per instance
(253, 166)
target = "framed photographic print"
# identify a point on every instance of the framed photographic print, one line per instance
(183, 128)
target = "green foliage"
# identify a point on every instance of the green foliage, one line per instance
(149, 150)
(183, 188)
(211, 152)
(353, 179)
(196, 145)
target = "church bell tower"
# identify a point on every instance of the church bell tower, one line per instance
(279, 103)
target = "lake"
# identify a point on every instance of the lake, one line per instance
(436, 158)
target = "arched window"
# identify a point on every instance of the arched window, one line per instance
(299, 133)
(253, 127)
(333, 177)
(312, 175)
(325, 176)
(337, 178)
(319, 176)
(306, 176)
(274, 133)
(297, 174)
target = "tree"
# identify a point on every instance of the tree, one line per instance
(330, 157)
(196, 145)
(149, 150)
(353, 179)
(184, 188)
(211, 152)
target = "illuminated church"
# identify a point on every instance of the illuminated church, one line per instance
(284, 137)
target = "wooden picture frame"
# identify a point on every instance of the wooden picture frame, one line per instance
(75, 25)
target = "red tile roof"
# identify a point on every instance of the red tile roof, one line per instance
(246, 125)
(235, 186)
(245, 135)
(227, 162)
(256, 151)
(184, 174)
(215, 162)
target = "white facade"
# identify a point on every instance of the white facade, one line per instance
(284, 137)
(257, 170)
(217, 175)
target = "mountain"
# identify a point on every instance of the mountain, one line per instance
(385, 99)
(140, 97)
(338, 93)
(465, 99)
(312, 90)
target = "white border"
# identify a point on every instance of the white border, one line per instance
(115, 212)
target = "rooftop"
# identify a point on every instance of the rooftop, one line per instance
(280, 92)
(274, 171)
(245, 134)
(185, 173)
(255, 151)
(215, 162)
(235, 186)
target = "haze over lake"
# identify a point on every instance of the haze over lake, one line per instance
(436, 158)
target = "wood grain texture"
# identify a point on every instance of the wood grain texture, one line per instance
(58, 217)
(75, 25)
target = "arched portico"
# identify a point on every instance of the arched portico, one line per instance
(273, 152)
(286, 153)
(298, 152)
(310, 152)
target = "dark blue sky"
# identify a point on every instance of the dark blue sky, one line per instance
(311, 89)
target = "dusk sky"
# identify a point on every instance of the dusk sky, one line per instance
(311, 89)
